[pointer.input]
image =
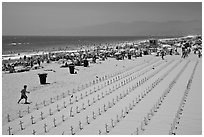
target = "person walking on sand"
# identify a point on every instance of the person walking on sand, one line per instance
(23, 95)
(199, 53)
(38, 60)
(162, 54)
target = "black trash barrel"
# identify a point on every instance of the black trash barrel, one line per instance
(129, 56)
(86, 63)
(42, 77)
(71, 68)
(145, 52)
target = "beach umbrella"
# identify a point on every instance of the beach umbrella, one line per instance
(129, 44)
(199, 47)
(72, 54)
(136, 45)
(194, 47)
(54, 56)
(82, 50)
(132, 49)
(102, 50)
(166, 46)
(177, 45)
(68, 54)
(122, 50)
(123, 45)
(61, 60)
(77, 53)
(159, 48)
(117, 53)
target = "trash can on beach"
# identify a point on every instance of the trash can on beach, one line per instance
(71, 68)
(129, 56)
(42, 77)
(86, 63)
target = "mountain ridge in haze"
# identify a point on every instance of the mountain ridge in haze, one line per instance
(140, 28)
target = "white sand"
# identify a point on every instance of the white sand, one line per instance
(61, 81)
(161, 122)
(191, 121)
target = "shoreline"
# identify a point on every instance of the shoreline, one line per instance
(16, 56)
(44, 52)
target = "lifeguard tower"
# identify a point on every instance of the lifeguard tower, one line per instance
(153, 44)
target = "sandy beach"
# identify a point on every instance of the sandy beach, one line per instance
(101, 68)
(113, 82)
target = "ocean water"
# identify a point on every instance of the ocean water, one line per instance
(50, 43)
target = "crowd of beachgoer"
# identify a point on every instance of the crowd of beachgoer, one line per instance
(25, 62)
(119, 52)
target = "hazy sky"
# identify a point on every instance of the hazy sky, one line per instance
(51, 18)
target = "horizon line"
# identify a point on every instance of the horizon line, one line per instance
(104, 35)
